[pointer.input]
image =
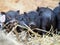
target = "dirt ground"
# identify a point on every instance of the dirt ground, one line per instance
(26, 5)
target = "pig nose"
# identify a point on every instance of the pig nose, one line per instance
(32, 25)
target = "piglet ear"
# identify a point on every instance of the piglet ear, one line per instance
(25, 13)
(37, 9)
(3, 13)
(59, 3)
(18, 11)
